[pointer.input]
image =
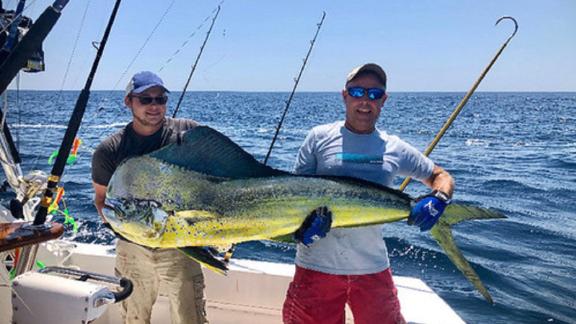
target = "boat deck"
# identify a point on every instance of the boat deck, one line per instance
(252, 292)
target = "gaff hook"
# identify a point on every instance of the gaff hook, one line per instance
(465, 99)
(515, 26)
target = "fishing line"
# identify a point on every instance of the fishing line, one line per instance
(185, 43)
(102, 26)
(144, 44)
(195, 63)
(72, 55)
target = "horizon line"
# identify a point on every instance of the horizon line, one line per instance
(314, 91)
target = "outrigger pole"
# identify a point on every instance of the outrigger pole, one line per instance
(195, 63)
(230, 251)
(296, 81)
(73, 126)
(465, 99)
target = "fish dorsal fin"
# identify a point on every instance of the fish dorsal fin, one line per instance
(205, 150)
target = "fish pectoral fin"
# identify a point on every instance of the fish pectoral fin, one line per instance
(442, 233)
(206, 256)
(287, 238)
(194, 216)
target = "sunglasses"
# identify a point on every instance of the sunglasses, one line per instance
(359, 92)
(146, 100)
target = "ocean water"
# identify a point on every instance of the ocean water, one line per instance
(514, 152)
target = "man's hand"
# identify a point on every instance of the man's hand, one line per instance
(428, 210)
(315, 226)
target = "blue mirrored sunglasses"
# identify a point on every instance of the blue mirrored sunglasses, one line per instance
(359, 92)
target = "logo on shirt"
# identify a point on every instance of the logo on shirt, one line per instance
(360, 158)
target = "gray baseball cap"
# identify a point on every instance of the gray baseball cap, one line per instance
(368, 67)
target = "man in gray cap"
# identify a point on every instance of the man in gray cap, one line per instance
(148, 268)
(351, 265)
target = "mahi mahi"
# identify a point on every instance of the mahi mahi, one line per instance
(205, 190)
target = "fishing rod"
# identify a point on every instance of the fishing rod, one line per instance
(19, 56)
(230, 251)
(296, 81)
(465, 99)
(29, 43)
(73, 126)
(196, 63)
(13, 235)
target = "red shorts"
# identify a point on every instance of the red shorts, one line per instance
(319, 298)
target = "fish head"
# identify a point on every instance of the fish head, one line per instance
(140, 220)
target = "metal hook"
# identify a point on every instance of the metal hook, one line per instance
(96, 45)
(515, 26)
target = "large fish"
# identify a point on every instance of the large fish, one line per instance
(207, 191)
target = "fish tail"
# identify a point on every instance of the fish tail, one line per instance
(455, 213)
(442, 233)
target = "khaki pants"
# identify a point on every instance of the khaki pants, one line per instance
(149, 269)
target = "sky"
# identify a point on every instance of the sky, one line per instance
(259, 45)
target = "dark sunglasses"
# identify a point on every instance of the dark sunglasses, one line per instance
(147, 100)
(359, 92)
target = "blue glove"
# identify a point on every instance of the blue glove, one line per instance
(314, 227)
(428, 210)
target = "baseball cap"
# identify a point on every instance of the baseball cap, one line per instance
(368, 67)
(143, 81)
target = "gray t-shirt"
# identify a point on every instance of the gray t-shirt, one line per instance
(377, 157)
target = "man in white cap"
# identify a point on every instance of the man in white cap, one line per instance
(351, 265)
(148, 268)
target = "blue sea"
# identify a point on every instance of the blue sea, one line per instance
(513, 152)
